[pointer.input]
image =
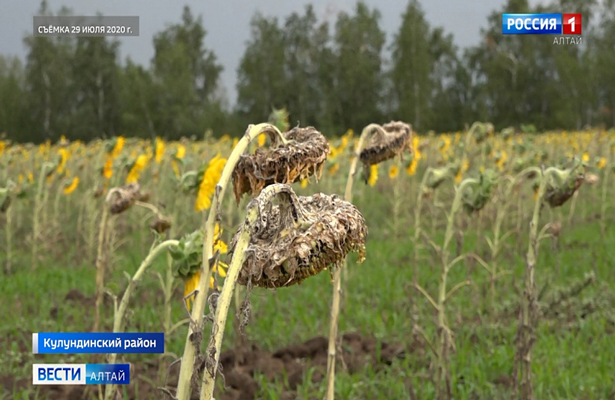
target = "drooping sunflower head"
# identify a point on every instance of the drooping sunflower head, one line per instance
(303, 155)
(476, 197)
(387, 141)
(122, 198)
(562, 183)
(299, 237)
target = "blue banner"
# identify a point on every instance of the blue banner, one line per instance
(532, 24)
(99, 343)
(80, 374)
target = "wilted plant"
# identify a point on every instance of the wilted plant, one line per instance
(294, 155)
(296, 143)
(387, 141)
(299, 238)
(157, 249)
(282, 244)
(474, 199)
(117, 201)
(556, 186)
(6, 195)
(47, 168)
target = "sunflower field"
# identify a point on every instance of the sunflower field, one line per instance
(380, 264)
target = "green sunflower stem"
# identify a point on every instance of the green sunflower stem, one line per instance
(118, 319)
(444, 338)
(37, 213)
(100, 265)
(9, 244)
(605, 189)
(337, 278)
(529, 306)
(198, 310)
(496, 245)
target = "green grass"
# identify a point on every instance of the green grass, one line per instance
(572, 358)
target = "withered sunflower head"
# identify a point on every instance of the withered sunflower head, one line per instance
(558, 195)
(563, 183)
(121, 199)
(161, 224)
(299, 237)
(302, 156)
(391, 140)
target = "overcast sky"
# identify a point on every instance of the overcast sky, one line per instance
(227, 22)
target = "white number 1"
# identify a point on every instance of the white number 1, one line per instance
(571, 22)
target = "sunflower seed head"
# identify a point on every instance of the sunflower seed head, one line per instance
(302, 156)
(386, 143)
(299, 237)
(121, 199)
(161, 224)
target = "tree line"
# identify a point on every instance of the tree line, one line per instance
(333, 77)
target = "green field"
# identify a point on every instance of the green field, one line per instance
(573, 356)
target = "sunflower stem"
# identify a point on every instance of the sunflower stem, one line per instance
(529, 306)
(198, 310)
(224, 301)
(100, 265)
(337, 278)
(118, 319)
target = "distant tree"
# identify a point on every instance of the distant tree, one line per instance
(413, 67)
(48, 84)
(357, 73)
(13, 107)
(261, 79)
(138, 101)
(187, 75)
(604, 48)
(95, 75)
(305, 43)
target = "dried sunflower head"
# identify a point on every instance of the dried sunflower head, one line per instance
(121, 199)
(299, 237)
(161, 224)
(391, 140)
(302, 156)
(562, 184)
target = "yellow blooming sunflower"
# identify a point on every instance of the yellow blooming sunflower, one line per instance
(119, 145)
(159, 150)
(373, 175)
(181, 151)
(262, 138)
(192, 282)
(411, 170)
(63, 158)
(211, 176)
(108, 168)
(137, 167)
(72, 186)
(601, 163)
